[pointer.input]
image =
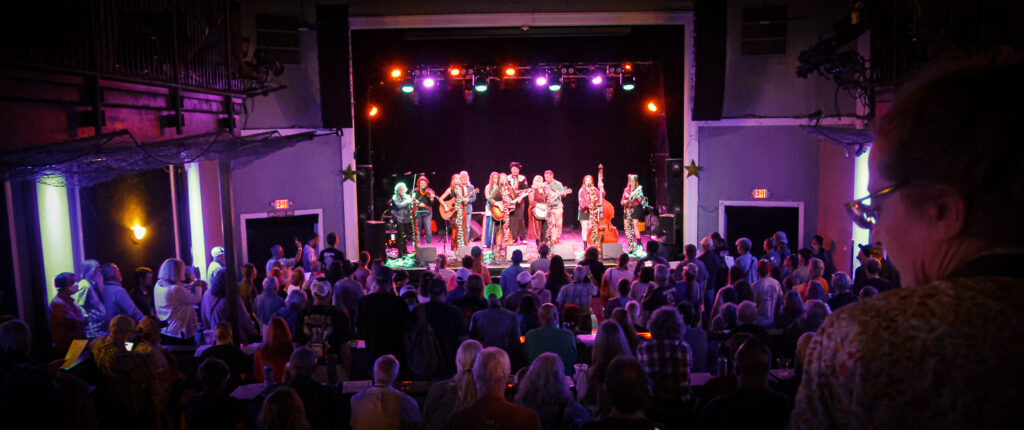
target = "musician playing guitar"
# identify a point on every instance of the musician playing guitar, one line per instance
(423, 196)
(501, 211)
(454, 210)
(633, 201)
(555, 192)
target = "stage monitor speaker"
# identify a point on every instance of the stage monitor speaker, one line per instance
(667, 228)
(565, 250)
(335, 96)
(612, 251)
(709, 56)
(426, 254)
(373, 238)
(464, 251)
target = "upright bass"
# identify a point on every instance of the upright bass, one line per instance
(602, 230)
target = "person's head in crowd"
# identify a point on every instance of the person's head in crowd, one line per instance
(121, 328)
(623, 287)
(436, 289)
(248, 272)
(752, 363)
(465, 358)
(764, 268)
(776, 273)
(517, 257)
(527, 306)
(951, 147)
(401, 277)
(868, 291)
(686, 273)
(15, 337)
(384, 279)
(627, 386)
(688, 314)
(661, 275)
(840, 282)
(793, 262)
(276, 251)
(728, 316)
(557, 268)
(296, 301)
(298, 277)
(110, 272)
(332, 241)
(746, 313)
(816, 242)
(218, 284)
(736, 273)
(547, 314)
(171, 271)
(524, 279)
(408, 293)
(143, 279)
(665, 324)
(805, 256)
(277, 338)
(277, 272)
(90, 271)
(364, 259)
(725, 295)
(223, 334)
(872, 267)
(66, 284)
(544, 383)
(321, 290)
(313, 240)
(651, 247)
(816, 313)
(591, 254)
(270, 285)
(621, 317)
(543, 250)
(539, 280)
(283, 410)
(623, 261)
(646, 275)
(570, 317)
(768, 245)
(690, 251)
(476, 252)
(579, 273)
(780, 239)
(743, 245)
(441, 261)
(792, 304)
(707, 245)
(475, 286)
(490, 373)
(717, 239)
(802, 344)
(816, 267)
(633, 309)
(467, 262)
(610, 342)
(816, 291)
(149, 330)
(213, 374)
(743, 291)
(303, 361)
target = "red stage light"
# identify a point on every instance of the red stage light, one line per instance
(455, 71)
(629, 66)
(374, 111)
(396, 73)
(651, 106)
(511, 71)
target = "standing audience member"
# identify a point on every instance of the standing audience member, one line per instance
(818, 251)
(66, 321)
(445, 320)
(213, 408)
(276, 350)
(668, 360)
(815, 269)
(652, 248)
(841, 285)
(753, 404)
(610, 282)
(496, 326)
(277, 256)
(331, 254)
(542, 263)
(526, 314)
(578, 293)
(382, 406)
(89, 301)
(767, 294)
(382, 319)
(319, 400)
(323, 327)
(508, 278)
(595, 268)
(294, 304)
(174, 302)
(545, 392)
(609, 343)
(283, 410)
(726, 295)
(792, 309)
(347, 292)
(621, 317)
(628, 393)
(726, 319)
(491, 410)
(815, 315)
(220, 312)
(549, 337)
(116, 300)
(216, 262)
(622, 297)
(770, 254)
(142, 291)
(166, 364)
(645, 281)
(695, 337)
(633, 309)
(746, 262)
(523, 281)
(714, 263)
(872, 268)
(226, 351)
(362, 273)
(473, 301)
(446, 397)
(702, 270)
(458, 291)
(266, 305)
(661, 294)
(247, 286)
(556, 276)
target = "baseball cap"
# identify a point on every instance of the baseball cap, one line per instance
(524, 277)
(494, 289)
(406, 290)
(217, 251)
(462, 274)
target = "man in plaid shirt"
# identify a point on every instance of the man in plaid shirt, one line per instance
(667, 359)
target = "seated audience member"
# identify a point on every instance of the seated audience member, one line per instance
(609, 343)
(267, 303)
(225, 351)
(544, 391)
(726, 319)
(319, 400)
(628, 393)
(551, 338)
(815, 269)
(621, 317)
(695, 337)
(496, 326)
(116, 300)
(746, 322)
(753, 404)
(815, 315)
(867, 292)
(792, 309)
(526, 314)
(667, 360)
(491, 410)
(213, 408)
(166, 364)
(323, 327)
(142, 290)
(219, 312)
(542, 263)
(382, 406)
(721, 385)
(473, 300)
(294, 305)
(816, 291)
(841, 284)
(66, 321)
(633, 309)
(128, 378)
(872, 268)
(523, 281)
(276, 350)
(638, 288)
(282, 410)
(726, 295)
(346, 292)
(767, 294)
(622, 297)
(446, 397)
(383, 318)
(174, 301)
(662, 293)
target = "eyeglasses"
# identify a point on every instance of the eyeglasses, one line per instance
(865, 215)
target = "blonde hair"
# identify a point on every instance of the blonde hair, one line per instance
(464, 382)
(172, 270)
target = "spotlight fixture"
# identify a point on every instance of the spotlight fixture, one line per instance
(555, 83)
(510, 71)
(429, 82)
(628, 83)
(480, 83)
(651, 106)
(541, 80)
(408, 88)
(138, 231)
(396, 73)
(455, 71)
(374, 111)
(596, 80)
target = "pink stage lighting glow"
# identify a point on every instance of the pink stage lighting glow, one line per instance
(429, 83)
(541, 81)
(596, 80)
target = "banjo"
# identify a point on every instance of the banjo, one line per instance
(540, 209)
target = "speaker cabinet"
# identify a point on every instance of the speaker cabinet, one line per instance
(565, 250)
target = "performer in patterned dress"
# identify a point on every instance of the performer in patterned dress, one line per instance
(632, 201)
(492, 185)
(458, 219)
(590, 200)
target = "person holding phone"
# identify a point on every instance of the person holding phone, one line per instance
(175, 296)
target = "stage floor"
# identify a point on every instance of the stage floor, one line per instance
(569, 236)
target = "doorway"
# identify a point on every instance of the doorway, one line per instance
(261, 231)
(757, 221)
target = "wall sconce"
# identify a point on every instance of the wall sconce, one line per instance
(138, 231)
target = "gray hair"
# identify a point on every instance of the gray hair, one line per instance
(660, 273)
(707, 244)
(633, 309)
(296, 299)
(816, 313)
(491, 370)
(385, 370)
(269, 284)
(303, 361)
(840, 282)
(746, 313)
(544, 385)
(579, 273)
(744, 244)
(665, 323)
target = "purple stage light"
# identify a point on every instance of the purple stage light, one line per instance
(541, 81)
(596, 80)
(429, 83)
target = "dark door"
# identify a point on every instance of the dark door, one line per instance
(263, 233)
(758, 223)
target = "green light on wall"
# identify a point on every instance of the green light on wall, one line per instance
(55, 234)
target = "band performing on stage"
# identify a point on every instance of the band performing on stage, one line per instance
(515, 211)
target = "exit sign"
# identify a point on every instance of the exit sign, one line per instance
(760, 193)
(281, 204)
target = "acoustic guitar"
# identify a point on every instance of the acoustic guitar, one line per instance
(447, 207)
(499, 214)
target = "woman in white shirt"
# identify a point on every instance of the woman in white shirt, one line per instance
(175, 302)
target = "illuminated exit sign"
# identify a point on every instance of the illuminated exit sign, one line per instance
(760, 193)
(281, 204)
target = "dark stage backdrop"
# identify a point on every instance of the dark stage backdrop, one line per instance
(111, 208)
(437, 132)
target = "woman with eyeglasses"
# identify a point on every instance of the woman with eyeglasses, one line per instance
(946, 181)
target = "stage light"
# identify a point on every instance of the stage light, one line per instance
(374, 111)
(628, 67)
(510, 71)
(407, 88)
(138, 231)
(651, 106)
(554, 87)
(541, 81)
(480, 83)
(429, 83)
(628, 83)
(455, 71)
(482, 87)
(396, 73)
(596, 80)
